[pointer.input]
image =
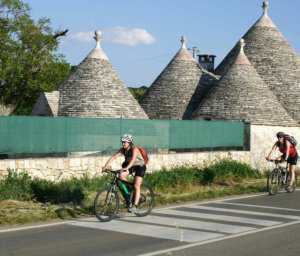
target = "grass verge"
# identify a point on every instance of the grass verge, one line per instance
(24, 200)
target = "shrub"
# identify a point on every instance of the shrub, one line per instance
(15, 186)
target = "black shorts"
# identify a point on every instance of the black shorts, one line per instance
(137, 169)
(291, 159)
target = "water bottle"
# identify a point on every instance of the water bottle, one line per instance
(124, 188)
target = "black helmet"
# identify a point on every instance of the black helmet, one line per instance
(280, 134)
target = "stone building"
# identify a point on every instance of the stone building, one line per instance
(94, 89)
(176, 91)
(274, 60)
(241, 95)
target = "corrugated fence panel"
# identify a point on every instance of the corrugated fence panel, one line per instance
(26, 134)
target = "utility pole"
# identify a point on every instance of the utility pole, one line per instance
(195, 50)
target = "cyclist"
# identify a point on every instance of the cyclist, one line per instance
(289, 154)
(134, 163)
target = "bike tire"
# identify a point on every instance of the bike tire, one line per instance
(106, 204)
(146, 201)
(273, 183)
(288, 180)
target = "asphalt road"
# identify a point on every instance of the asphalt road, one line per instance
(247, 225)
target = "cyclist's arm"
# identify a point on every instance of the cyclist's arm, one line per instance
(134, 155)
(288, 146)
(110, 160)
(272, 151)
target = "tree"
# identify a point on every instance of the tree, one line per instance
(138, 92)
(29, 63)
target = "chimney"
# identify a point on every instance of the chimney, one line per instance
(207, 61)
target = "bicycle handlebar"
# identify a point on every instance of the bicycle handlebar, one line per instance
(277, 161)
(113, 172)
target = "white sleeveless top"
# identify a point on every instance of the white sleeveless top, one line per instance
(139, 158)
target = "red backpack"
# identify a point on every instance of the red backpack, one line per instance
(143, 153)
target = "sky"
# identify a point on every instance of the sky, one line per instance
(140, 37)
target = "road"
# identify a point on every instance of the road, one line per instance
(243, 225)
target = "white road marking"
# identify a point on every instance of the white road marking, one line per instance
(220, 217)
(178, 234)
(261, 206)
(210, 201)
(244, 212)
(33, 227)
(185, 223)
(167, 251)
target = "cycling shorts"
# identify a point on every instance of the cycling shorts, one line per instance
(138, 170)
(291, 159)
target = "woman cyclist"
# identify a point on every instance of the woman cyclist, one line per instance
(289, 154)
(134, 162)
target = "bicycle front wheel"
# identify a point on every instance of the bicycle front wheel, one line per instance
(288, 182)
(273, 183)
(146, 201)
(106, 204)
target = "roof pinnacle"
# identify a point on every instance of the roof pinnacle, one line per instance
(242, 44)
(97, 53)
(242, 58)
(265, 6)
(98, 37)
(183, 41)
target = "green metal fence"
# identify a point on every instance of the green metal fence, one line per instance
(24, 134)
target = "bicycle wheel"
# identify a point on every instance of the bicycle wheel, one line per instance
(288, 181)
(106, 204)
(146, 201)
(273, 183)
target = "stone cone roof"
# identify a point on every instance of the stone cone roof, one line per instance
(275, 61)
(241, 95)
(171, 92)
(94, 89)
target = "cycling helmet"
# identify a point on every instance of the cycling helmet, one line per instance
(126, 138)
(280, 134)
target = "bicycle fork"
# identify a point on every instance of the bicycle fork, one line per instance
(109, 196)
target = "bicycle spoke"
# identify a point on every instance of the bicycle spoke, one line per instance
(146, 201)
(106, 204)
(273, 183)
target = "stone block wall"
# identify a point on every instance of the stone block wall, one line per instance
(57, 169)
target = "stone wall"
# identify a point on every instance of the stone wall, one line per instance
(56, 169)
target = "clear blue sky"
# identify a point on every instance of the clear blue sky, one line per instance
(140, 37)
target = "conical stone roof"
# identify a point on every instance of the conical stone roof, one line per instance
(95, 89)
(241, 95)
(171, 92)
(275, 61)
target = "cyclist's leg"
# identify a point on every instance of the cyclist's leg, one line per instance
(138, 179)
(124, 174)
(292, 166)
(137, 188)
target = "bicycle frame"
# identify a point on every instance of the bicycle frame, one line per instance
(283, 170)
(118, 182)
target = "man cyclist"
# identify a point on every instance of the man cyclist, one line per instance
(134, 163)
(289, 154)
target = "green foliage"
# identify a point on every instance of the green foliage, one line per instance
(182, 176)
(138, 92)
(15, 186)
(29, 64)
(22, 187)
(229, 168)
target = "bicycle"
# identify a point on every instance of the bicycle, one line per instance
(280, 176)
(107, 202)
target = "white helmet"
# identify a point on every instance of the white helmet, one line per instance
(126, 138)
